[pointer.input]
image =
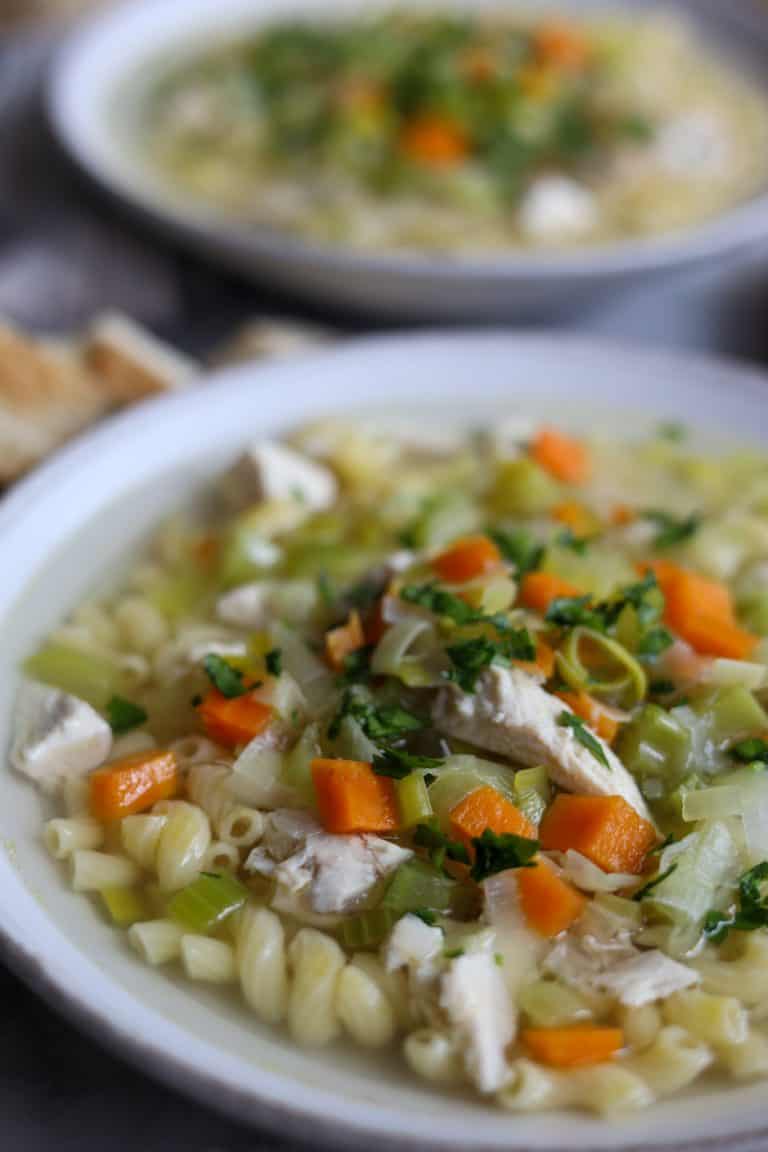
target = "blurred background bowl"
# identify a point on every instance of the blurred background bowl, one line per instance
(98, 58)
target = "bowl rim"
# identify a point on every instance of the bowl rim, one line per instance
(729, 230)
(170, 1063)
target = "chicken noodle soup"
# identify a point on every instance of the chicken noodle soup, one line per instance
(463, 133)
(456, 748)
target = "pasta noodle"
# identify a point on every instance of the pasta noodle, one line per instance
(156, 941)
(93, 871)
(181, 848)
(209, 960)
(364, 1009)
(262, 963)
(141, 837)
(63, 837)
(316, 963)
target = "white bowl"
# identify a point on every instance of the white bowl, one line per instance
(68, 526)
(114, 45)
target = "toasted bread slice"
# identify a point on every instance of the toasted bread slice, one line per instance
(132, 364)
(46, 395)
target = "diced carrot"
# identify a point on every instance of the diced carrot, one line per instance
(622, 514)
(593, 713)
(539, 589)
(342, 641)
(434, 140)
(236, 721)
(577, 517)
(562, 45)
(564, 457)
(132, 785)
(572, 1047)
(352, 798)
(701, 612)
(544, 662)
(549, 904)
(467, 558)
(605, 829)
(487, 808)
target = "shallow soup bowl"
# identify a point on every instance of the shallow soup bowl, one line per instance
(72, 524)
(95, 89)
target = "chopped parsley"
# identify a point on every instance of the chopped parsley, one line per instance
(584, 736)
(518, 548)
(672, 530)
(568, 539)
(575, 611)
(469, 658)
(357, 665)
(453, 953)
(397, 763)
(751, 751)
(752, 912)
(649, 887)
(381, 723)
(123, 715)
(429, 918)
(274, 662)
(497, 853)
(662, 687)
(228, 680)
(654, 642)
(439, 847)
(435, 599)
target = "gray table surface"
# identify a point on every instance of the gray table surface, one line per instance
(64, 251)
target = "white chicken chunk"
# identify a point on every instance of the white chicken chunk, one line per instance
(57, 736)
(272, 471)
(474, 997)
(511, 715)
(612, 964)
(254, 605)
(555, 206)
(414, 945)
(336, 872)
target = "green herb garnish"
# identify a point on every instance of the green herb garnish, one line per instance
(584, 736)
(357, 665)
(228, 680)
(670, 529)
(649, 887)
(469, 658)
(439, 847)
(398, 763)
(382, 723)
(497, 853)
(518, 548)
(123, 715)
(753, 750)
(274, 662)
(654, 642)
(752, 912)
(435, 599)
(575, 611)
(429, 918)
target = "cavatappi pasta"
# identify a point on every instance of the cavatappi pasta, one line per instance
(460, 748)
(458, 132)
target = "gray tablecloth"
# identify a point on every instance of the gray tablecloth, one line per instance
(65, 252)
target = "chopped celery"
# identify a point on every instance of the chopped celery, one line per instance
(754, 610)
(598, 571)
(656, 744)
(413, 800)
(731, 712)
(699, 870)
(531, 788)
(416, 885)
(367, 930)
(89, 675)
(442, 518)
(461, 775)
(548, 1004)
(712, 803)
(296, 769)
(492, 593)
(178, 594)
(125, 905)
(208, 900)
(522, 488)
